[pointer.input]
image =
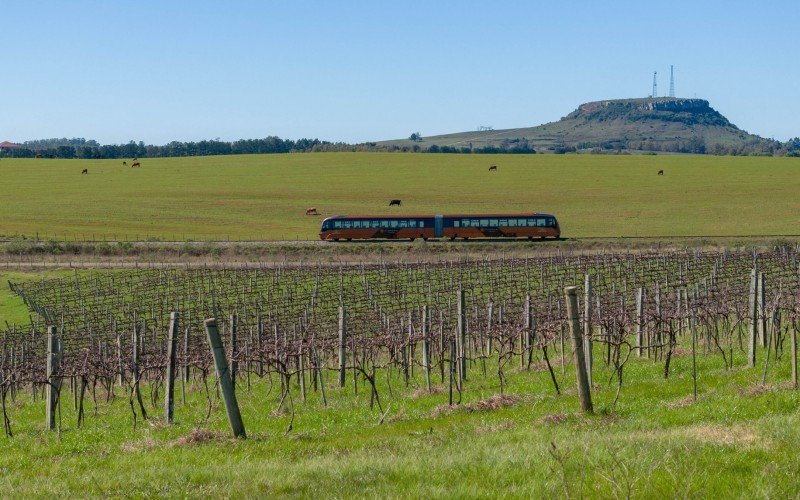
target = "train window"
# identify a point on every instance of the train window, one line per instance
(384, 223)
(464, 222)
(347, 224)
(484, 222)
(422, 223)
(503, 223)
(493, 222)
(474, 223)
(403, 223)
(540, 222)
(337, 224)
(456, 223)
(392, 223)
(412, 223)
(374, 223)
(551, 222)
(532, 222)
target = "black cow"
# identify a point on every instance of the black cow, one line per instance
(660, 172)
(395, 202)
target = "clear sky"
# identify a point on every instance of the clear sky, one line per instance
(360, 71)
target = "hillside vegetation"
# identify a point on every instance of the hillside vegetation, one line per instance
(661, 124)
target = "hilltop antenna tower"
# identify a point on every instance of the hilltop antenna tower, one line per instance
(655, 84)
(671, 82)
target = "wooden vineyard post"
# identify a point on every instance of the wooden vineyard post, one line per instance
(426, 348)
(461, 348)
(793, 356)
(529, 336)
(234, 320)
(639, 321)
(751, 342)
(172, 345)
(577, 345)
(342, 346)
(587, 326)
(762, 310)
(53, 381)
(224, 377)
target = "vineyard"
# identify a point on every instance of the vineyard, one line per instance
(315, 328)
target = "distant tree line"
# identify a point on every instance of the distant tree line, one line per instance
(89, 149)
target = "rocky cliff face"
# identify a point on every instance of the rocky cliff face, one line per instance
(688, 111)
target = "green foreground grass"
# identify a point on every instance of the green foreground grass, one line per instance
(738, 440)
(265, 196)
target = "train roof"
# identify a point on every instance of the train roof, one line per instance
(431, 216)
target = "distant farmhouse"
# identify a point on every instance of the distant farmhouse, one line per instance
(5, 146)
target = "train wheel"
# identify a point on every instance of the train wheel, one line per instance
(453, 238)
(336, 239)
(412, 239)
(530, 238)
(466, 238)
(424, 239)
(349, 239)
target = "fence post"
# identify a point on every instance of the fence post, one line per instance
(234, 320)
(224, 376)
(587, 326)
(762, 310)
(172, 344)
(342, 346)
(577, 345)
(426, 348)
(751, 343)
(639, 321)
(53, 381)
(793, 355)
(462, 336)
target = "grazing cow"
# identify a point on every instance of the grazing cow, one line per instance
(124, 163)
(660, 172)
(85, 171)
(311, 211)
(493, 167)
(136, 159)
(135, 164)
(38, 155)
(395, 202)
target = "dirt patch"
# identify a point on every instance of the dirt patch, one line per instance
(493, 403)
(489, 404)
(435, 389)
(197, 436)
(554, 418)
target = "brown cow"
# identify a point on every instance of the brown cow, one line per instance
(311, 211)
(660, 172)
(85, 171)
(493, 167)
(395, 202)
(135, 164)
(124, 163)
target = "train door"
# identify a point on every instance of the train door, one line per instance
(438, 226)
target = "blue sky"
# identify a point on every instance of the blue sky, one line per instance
(361, 71)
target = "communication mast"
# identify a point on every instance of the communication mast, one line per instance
(671, 82)
(655, 84)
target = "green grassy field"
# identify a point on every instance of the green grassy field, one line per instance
(265, 196)
(738, 440)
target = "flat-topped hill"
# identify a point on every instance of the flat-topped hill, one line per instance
(647, 124)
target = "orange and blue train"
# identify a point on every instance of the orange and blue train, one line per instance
(459, 226)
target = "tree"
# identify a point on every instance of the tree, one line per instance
(415, 137)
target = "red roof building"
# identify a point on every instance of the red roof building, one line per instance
(9, 145)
